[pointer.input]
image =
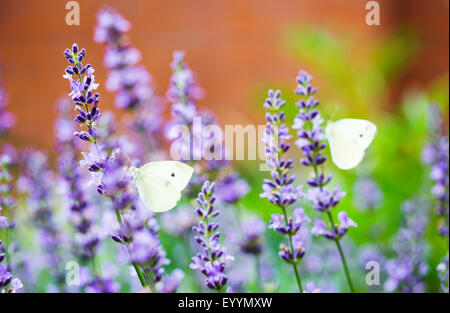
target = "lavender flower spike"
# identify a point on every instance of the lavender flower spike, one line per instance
(130, 81)
(137, 232)
(7, 119)
(212, 260)
(406, 272)
(442, 269)
(436, 155)
(8, 283)
(311, 141)
(280, 190)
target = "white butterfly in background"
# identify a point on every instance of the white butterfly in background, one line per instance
(349, 139)
(160, 183)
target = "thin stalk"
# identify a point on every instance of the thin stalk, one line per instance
(136, 267)
(341, 253)
(294, 264)
(336, 240)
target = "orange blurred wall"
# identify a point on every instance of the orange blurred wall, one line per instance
(232, 45)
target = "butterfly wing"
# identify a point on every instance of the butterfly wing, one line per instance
(348, 139)
(177, 173)
(156, 192)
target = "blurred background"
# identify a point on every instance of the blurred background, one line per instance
(237, 48)
(388, 74)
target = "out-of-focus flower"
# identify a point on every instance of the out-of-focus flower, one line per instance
(442, 269)
(311, 288)
(110, 26)
(179, 222)
(7, 119)
(212, 260)
(16, 285)
(7, 203)
(406, 272)
(367, 194)
(131, 82)
(183, 92)
(87, 239)
(436, 155)
(370, 252)
(231, 188)
(93, 283)
(171, 282)
(36, 181)
(252, 231)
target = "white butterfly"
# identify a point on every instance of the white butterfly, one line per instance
(159, 184)
(349, 139)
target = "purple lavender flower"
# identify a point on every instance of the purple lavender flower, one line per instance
(442, 269)
(212, 260)
(179, 222)
(7, 119)
(16, 284)
(36, 181)
(171, 282)
(86, 102)
(436, 155)
(7, 203)
(311, 141)
(130, 82)
(107, 164)
(370, 252)
(87, 239)
(183, 92)
(367, 194)
(5, 276)
(252, 231)
(406, 272)
(323, 199)
(93, 283)
(231, 188)
(110, 26)
(280, 191)
(145, 250)
(311, 288)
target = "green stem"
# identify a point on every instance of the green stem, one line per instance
(341, 253)
(136, 267)
(294, 264)
(258, 272)
(140, 275)
(336, 240)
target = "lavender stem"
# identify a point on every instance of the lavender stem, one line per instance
(291, 246)
(343, 260)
